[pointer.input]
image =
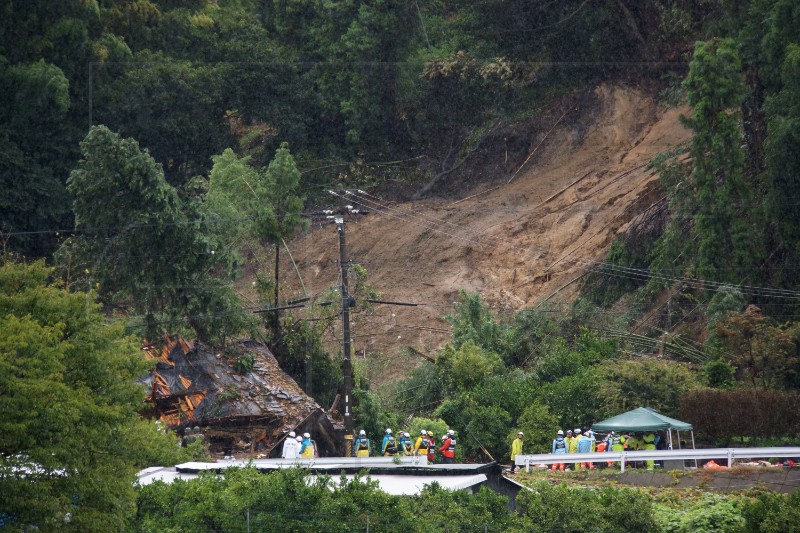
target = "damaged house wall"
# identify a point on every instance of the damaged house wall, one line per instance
(238, 412)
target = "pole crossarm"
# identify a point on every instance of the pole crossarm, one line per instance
(729, 454)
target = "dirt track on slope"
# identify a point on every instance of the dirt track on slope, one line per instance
(517, 243)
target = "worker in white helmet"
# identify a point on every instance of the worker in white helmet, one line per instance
(290, 447)
(422, 443)
(307, 447)
(559, 447)
(516, 449)
(362, 446)
(386, 436)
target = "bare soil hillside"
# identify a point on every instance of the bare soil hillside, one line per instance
(519, 236)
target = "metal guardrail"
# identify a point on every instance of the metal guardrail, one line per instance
(317, 462)
(729, 454)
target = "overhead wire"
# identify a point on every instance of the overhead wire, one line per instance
(639, 274)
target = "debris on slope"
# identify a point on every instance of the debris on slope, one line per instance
(247, 412)
(525, 218)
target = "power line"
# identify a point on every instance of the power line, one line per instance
(639, 274)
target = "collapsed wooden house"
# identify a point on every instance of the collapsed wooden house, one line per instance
(241, 408)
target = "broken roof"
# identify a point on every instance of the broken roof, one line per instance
(195, 384)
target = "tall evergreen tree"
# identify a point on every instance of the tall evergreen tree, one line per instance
(727, 224)
(141, 248)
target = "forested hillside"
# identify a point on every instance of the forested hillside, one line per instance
(595, 202)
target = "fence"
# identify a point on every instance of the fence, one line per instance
(706, 454)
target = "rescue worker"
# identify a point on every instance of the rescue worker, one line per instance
(401, 442)
(609, 440)
(385, 438)
(422, 443)
(448, 448)
(390, 446)
(307, 447)
(188, 438)
(408, 446)
(559, 448)
(649, 443)
(516, 449)
(198, 435)
(568, 438)
(617, 443)
(362, 447)
(572, 446)
(584, 445)
(431, 447)
(290, 449)
(633, 444)
(593, 440)
(602, 446)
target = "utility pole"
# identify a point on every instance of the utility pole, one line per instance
(347, 366)
(347, 301)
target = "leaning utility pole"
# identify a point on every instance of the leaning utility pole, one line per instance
(347, 366)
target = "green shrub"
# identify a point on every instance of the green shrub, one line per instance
(773, 513)
(711, 513)
(244, 363)
(562, 508)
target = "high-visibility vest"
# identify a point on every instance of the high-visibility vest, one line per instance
(391, 446)
(450, 451)
(408, 447)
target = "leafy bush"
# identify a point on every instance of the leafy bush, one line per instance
(486, 429)
(711, 513)
(467, 366)
(562, 508)
(293, 500)
(656, 383)
(244, 363)
(538, 424)
(574, 398)
(773, 513)
(719, 374)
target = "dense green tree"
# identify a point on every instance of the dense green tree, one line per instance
(32, 125)
(539, 425)
(630, 383)
(135, 241)
(467, 366)
(265, 203)
(764, 354)
(174, 108)
(70, 437)
(473, 322)
(782, 149)
(726, 224)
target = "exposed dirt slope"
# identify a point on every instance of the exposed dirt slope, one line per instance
(517, 242)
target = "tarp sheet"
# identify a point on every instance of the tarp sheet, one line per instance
(640, 419)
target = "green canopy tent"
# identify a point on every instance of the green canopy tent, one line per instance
(644, 419)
